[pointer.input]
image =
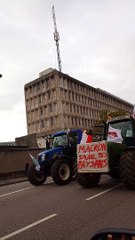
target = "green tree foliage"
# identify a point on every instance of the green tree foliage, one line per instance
(98, 128)
(106, 114)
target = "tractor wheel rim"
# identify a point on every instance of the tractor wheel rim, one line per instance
(38, 176)
(64, 171)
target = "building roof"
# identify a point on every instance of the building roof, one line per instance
(51, 71)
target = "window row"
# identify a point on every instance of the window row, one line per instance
(54, 123)
(40, 99)
(97, 102)
(56, 108)
(44, 84)
(42, 111)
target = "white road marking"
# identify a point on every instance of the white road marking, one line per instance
(101, 193)
(28, 226)
(20, 190)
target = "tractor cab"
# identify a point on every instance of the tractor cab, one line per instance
(121, 130)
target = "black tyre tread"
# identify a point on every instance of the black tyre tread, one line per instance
(55, 172)
(75, 170)
(122, 167)
(31, 177)
(88, 180)
(127, 168)
(114, 174)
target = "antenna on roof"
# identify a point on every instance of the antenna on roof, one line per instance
(56, 39)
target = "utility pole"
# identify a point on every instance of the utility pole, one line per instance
(56, 39)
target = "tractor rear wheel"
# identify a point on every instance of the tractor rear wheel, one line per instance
(35, 177)
(62, 172)
(75, 173)
(88, 180)
(115, 174)
(127, 168)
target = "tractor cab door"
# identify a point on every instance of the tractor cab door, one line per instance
(73, 140)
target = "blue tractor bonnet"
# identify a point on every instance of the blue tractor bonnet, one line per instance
(51, 152)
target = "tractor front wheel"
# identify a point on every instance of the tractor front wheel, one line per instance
(127, 168)
(88, 180)
(62, 172)
(35, 177)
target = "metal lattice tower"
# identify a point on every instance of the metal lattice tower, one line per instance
(56, 39)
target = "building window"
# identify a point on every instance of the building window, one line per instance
(42, 124)
(72, 121)
(39, 99)
(65, 94)
(30, 90)
(38, 86)
(71, 107)
(73, 96)
(78, 109)
(51, 121)
(47, 122)
(50, 108)
(49, 95)
(45, 109)
(66, 107)
(69, 95)
(41, 111)
(42, 84)
(55, 107)
(47, 82)
(34, 128)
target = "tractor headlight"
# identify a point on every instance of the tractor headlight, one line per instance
(43, 157)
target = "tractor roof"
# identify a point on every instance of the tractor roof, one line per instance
(59, 133)
(118, 118)
(64, 132)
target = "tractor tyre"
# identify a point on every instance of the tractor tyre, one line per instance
(75, 173)
(88, 180)
(62, 172)
(127, 168)
(114, 174)
(35, 177)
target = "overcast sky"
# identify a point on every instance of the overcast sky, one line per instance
(97, 46)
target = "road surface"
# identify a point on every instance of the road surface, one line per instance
(64, 212)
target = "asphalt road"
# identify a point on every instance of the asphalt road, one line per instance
(67, 212)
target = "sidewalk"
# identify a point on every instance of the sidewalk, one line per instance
(12, 181)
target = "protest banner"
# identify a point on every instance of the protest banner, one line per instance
(92, 157)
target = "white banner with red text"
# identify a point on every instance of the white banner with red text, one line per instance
(92, 157)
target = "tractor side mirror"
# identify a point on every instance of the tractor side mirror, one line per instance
(114, 234)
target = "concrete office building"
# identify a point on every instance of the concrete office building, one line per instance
(56, 101)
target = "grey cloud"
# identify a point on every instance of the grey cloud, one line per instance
(97, 40)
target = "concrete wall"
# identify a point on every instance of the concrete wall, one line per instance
(12, 160)
(28, 141)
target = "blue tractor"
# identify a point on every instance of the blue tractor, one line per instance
(60, 161)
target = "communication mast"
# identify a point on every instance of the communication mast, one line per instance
(56, 39)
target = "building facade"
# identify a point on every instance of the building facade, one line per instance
(56, 101)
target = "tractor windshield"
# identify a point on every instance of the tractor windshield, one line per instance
(121, 132)
(60, 141)
(125, 128)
